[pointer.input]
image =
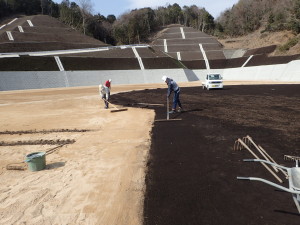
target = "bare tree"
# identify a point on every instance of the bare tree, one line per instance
(86, 8)
(43, 4)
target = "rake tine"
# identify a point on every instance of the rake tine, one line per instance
(291, 158)
(244, 139)
(249, 140)
(288, 158)
(237, 146)
(234, 146)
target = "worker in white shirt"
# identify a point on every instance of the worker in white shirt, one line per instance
(105, 94)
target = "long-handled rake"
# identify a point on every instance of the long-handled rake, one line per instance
(168, 116)
(263, 152)
(240, 144)
(116, 109)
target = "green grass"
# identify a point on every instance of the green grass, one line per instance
(292, 42)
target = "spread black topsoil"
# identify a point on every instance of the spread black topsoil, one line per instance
(192, 167)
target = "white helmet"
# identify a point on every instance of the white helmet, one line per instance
(164, 78)
(109, 80)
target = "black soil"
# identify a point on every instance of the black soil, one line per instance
(192, 167)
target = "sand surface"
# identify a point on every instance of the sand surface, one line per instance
(99, 179)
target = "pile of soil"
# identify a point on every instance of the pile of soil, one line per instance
(192, 167)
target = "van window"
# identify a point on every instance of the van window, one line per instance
(214, 77)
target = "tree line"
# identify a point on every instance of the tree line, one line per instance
(137, 25)
(28, 7)
(130, 28)
(249, 15)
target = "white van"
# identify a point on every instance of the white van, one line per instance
(213, 81)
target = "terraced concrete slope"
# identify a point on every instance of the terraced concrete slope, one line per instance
(175, 47)
(198, 50)
(42, 33)
(184, 43)
(37, 35)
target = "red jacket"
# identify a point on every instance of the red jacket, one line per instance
(107, 84)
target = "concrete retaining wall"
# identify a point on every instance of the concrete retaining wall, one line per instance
(37, 80)
(87, 78)
(234, 53)
(283, 72)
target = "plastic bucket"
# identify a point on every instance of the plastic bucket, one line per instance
(36, 161)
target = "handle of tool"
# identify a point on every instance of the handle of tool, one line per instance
(110, 103)
(167, 108)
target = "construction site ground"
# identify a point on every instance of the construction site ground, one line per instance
(125, 168)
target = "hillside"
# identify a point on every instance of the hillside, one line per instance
(174, 47)
(258, 39)
(41, 33)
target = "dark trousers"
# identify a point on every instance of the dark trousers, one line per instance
(176, 100)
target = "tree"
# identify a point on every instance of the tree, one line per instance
(134, 27)
(43, 5)
(174, 13)
(100, 28)
(160, 16)
(111, 19)
(295, 17)
(208, 23)
(85, 7)
(70, 14)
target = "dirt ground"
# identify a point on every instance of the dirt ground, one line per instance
(108, 175)
(192, 166)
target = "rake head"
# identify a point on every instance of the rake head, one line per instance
(291, 158)
(238, 143)
(118, 110)
(237, 146)
(15, 167)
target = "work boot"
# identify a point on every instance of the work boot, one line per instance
(172, 111)
(180, 110)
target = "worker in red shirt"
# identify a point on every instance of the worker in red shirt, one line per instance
(104, 91)
(108, 83)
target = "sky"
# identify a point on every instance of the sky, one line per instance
(118, 7)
